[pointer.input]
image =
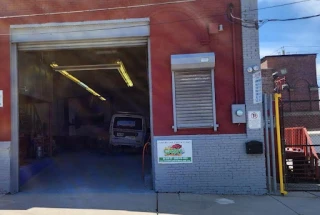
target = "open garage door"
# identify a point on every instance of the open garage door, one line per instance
(80, 35)
(83, 44)
(82, 100)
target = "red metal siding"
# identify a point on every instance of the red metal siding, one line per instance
(175, 29)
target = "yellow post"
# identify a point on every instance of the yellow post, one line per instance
(276, 98)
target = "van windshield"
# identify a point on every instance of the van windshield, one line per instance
(127, 123)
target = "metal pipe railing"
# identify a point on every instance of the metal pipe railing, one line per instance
(277, 97)
(143, 155)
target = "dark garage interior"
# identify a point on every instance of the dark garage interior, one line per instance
(66, 102)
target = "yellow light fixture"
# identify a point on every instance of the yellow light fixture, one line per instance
(54, 65)
(123, 72)
(92, 91)
(77, 81)
(118, 65)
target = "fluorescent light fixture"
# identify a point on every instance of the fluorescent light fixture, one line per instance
(87, 67)
(122, 70)
(92, 91)
(77, 81)
(83, 85)
(118, 66)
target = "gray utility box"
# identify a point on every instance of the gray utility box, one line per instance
(239, 113)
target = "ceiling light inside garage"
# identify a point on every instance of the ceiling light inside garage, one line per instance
(77, 81)
(123, 72)
(118, 65)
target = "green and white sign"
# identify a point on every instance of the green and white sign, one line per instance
(174, 151)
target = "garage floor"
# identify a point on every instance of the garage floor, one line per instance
(85, 172)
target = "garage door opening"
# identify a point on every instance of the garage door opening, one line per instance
(84, 117)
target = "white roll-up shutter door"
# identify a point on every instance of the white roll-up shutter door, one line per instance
(194, 104)
(193, 91)
(83, 44)
(81, 35)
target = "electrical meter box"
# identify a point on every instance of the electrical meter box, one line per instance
(238, 113)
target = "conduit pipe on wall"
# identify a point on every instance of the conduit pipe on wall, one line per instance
(267, 144)
(273, 151)
(235, 73)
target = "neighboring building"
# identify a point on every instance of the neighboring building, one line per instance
(301, 75)
(300, 98)
(220, 163)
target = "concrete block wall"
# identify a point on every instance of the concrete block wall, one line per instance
(220, 163)
(4, 167)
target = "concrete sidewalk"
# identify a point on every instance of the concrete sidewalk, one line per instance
(151, 203)
(294, 203)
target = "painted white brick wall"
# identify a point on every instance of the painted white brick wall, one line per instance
(220, 163)
(251, 57)
(4, 167)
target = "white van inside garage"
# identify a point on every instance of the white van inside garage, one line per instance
(82, 109)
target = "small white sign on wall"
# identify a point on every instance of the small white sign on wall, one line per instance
(257, 88)
(1, 98)
(254, 119)
(174, 151)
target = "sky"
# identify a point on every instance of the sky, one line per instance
(297, 37)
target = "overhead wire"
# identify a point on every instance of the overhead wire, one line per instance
(134, 6)
(233, 19)
(244, 23)
(279, 49)
(259, 23)
(290, 19)
(304, 46)
(283, 48)
(95, 10)
(122, 27)
(279, 5)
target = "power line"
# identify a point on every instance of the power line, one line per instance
(259, 23)
(290, 19)
(304, 46)
(283, 49)
(279, 5)
(115, 28)
(95, 10)
(132, 6)
(236, 20)
(279, 49)
(292, 46)
(304, 52)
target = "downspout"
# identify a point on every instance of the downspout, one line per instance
(234, 50)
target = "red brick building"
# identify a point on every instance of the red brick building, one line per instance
(301, 74)
(151, 37)
(300, 98)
